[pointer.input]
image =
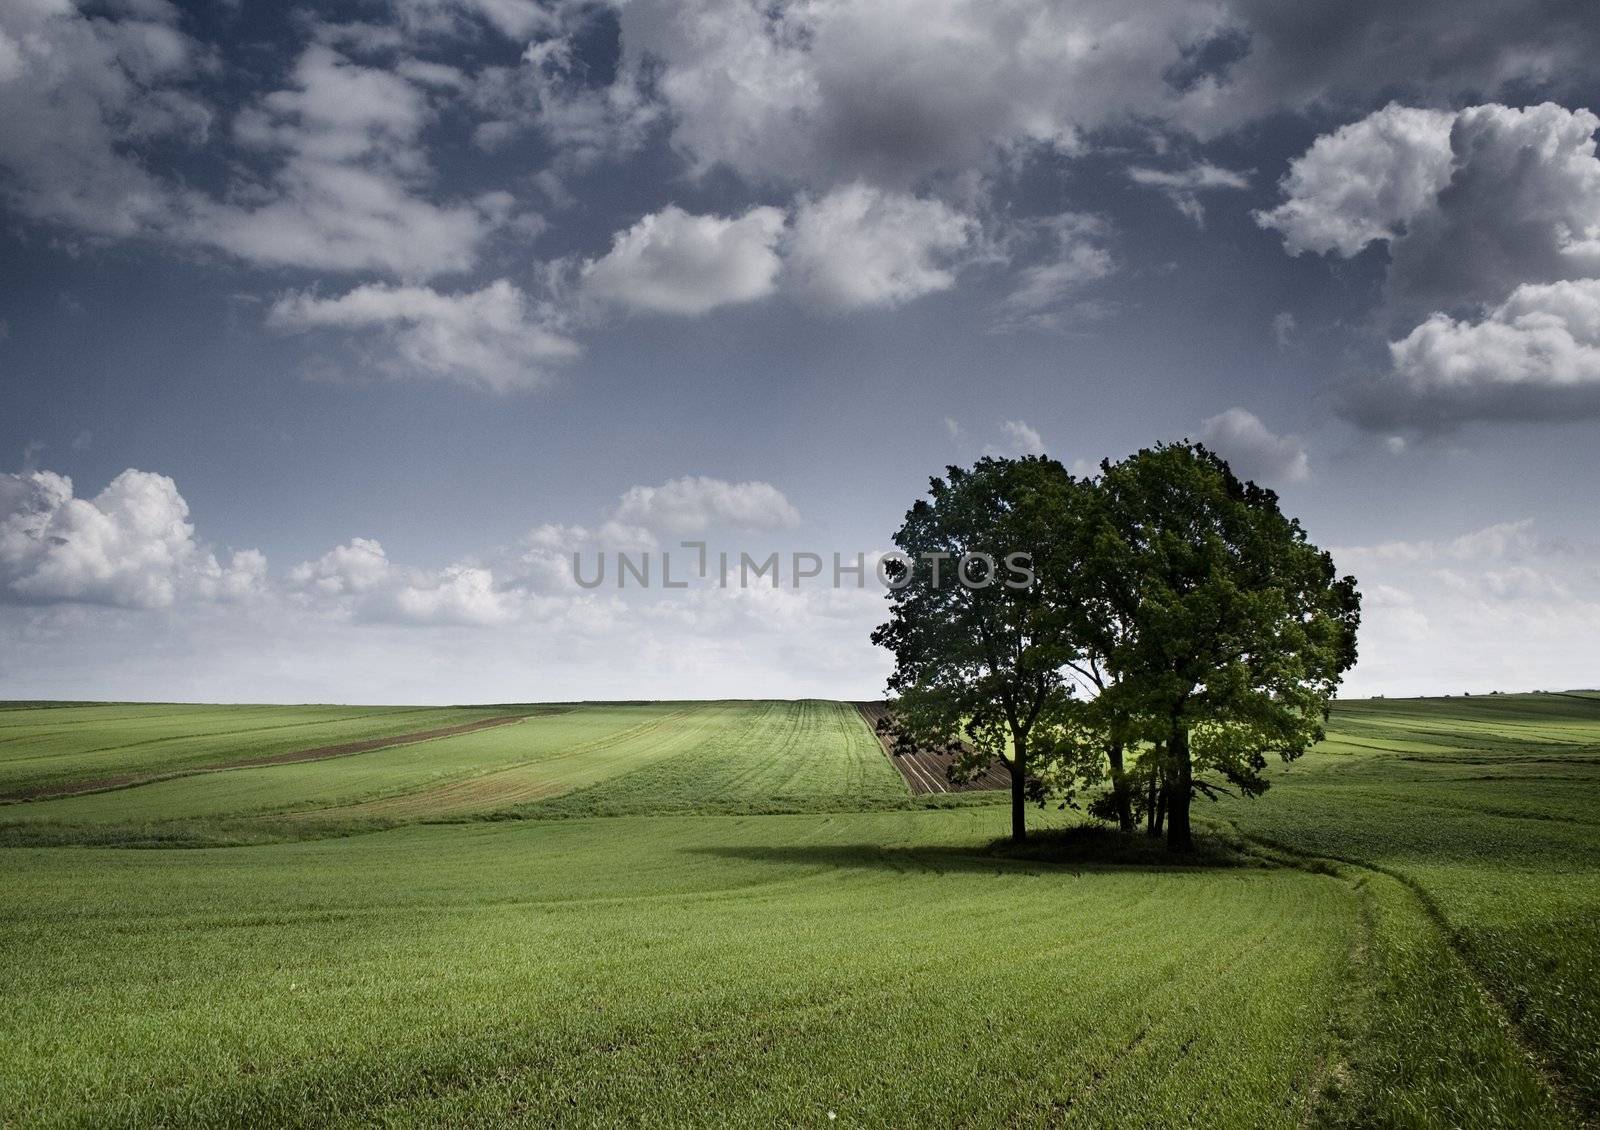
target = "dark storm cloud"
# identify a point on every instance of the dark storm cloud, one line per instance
(1345, 56)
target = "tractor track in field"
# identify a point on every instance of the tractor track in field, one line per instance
(319, 753)
(1561, 1092)
(926, 772)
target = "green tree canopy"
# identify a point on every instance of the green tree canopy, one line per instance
(980, 640)
(1226, 630)
(1202, 626)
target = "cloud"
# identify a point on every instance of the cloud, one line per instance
(1535, 356)
(516, 19)
(1183, 186)
(820, 94)
(1470, 204)
(544, 558)
(1366, 181)
(79, 96)
(699, 643)
(1047, 292)
(359, 578)
(860, 246)
(549, 92)
(1284, 329)
(1498, 608)
(346, 186)
(333, 170)
(494, 339)
(1268, 57)
(1022, 438)
(358, 567)
(534, 582)
(131, 545)
(695, 503)
(1522, 206)
(1016, 439)
(1492, 210)
(349, 189)
(1503, 541)
(824, 94)
(1253, 450)
(354, 625)
(672, 262)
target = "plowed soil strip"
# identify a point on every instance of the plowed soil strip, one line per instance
(928, 772)
(343, 749)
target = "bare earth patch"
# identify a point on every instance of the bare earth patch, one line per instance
(926, 771)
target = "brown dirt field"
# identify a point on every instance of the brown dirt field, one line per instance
(343, 749)
(929, 772)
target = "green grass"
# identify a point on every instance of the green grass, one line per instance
(83, 743)
(741, 970)
(1478, 820)
(663, 757)
(734, 913)
(780, 756)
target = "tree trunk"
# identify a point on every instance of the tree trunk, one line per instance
(1155, 807)
(1179, 836)
(1121, 796)
(1019, 769)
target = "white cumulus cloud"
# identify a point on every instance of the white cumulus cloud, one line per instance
(1534, 356)
(1471, 204)
(495, 338)
(1363, 182)
(350, 190)
(131, 545)
(672, 262)
(860, 246)
(695, 503)
(359, 579)
(1254, 450)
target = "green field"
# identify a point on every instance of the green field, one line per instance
(734, 913)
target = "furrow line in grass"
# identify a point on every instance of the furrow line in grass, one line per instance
(1546, 1072)
(199, 735)
(786, 1016)
(264, 761)
(1548, 1076)
(455, 781)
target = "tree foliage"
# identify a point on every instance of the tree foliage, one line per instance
(1178, 630)
(1233, 629)
(980, 658)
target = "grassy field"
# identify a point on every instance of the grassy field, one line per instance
(1487, 812)
(734, 913)
(660, 757)
(75, 745)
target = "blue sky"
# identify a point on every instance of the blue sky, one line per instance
(327, 335)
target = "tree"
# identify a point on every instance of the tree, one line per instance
(1098, 628)
(1225, 630)
(980, 641)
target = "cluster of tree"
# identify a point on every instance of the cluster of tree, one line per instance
(1179, 630)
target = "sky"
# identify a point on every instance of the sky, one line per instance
(329, 335)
